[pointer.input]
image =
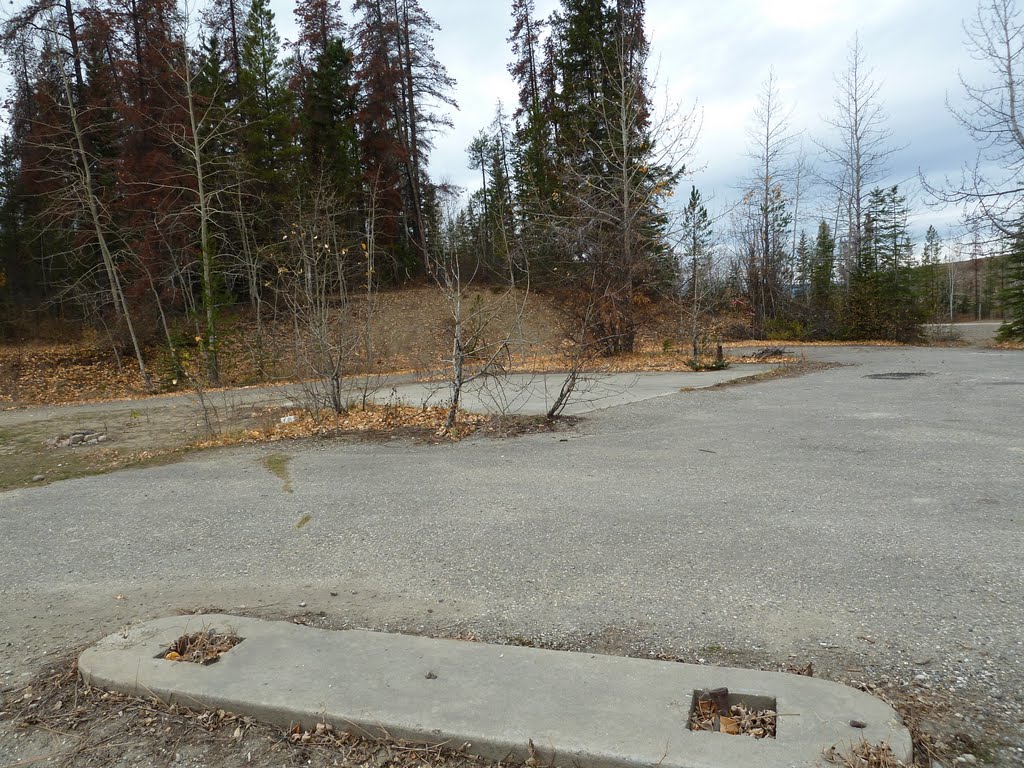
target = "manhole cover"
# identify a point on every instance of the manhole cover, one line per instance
(897, 375)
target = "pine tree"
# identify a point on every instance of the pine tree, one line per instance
(582, 58)
(502, 180)
(533, 137)
(493, 221)
(225, 20)
(382, 154)
(426, 95)
(405, 95)
(320, 23)
(479, 152)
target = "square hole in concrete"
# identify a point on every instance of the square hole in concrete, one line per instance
(203, 647)
(719, 710)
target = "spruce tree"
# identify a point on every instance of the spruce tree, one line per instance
(930, 282)
(695, 264)
(611, 189)
(265, 109)
(327, 125)
(822, 267)
(1013, 294)
(881, 302)
(804, 258)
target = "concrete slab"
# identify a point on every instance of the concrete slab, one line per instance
(580, 709)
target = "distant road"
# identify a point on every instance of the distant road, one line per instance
(976, 333)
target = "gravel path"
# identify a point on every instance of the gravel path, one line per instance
(863, 522)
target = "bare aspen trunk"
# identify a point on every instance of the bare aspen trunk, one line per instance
(696, 310)
(205, 247)
(94, 215)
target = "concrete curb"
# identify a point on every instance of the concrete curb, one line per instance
(581, 709)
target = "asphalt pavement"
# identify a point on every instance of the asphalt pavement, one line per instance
(793, 517)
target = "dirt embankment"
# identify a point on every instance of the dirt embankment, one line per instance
(402, 331)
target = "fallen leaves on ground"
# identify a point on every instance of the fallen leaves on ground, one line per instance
(63, 374)
(203, 647)
(1008, 345)
(382, 419)
(87, 727)
(712, 713)
(56, 374)
(920, 710)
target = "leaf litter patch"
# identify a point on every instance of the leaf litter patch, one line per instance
(718, 711)
(203, 647)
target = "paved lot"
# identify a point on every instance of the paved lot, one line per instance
(852, 520)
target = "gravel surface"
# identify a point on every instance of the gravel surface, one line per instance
(871, 525)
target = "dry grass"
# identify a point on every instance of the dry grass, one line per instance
(922, 711)
(372, 422)
(863, 755)
(408, 334)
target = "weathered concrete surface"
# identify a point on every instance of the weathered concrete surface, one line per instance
(579, 709)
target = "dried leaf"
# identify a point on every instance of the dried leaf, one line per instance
(728, 724)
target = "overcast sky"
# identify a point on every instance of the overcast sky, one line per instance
(718, 53)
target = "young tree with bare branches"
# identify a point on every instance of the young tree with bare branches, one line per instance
(768, 200)
(859, 151)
